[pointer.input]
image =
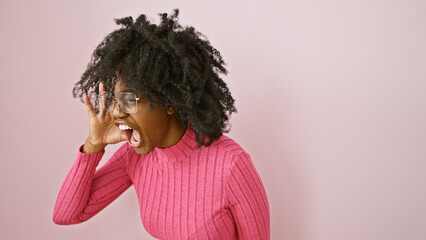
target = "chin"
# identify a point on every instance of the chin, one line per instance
(142, 148)
(141, 151)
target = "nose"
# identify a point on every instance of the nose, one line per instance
(117, 112)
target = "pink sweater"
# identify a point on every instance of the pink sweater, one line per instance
(212, 192)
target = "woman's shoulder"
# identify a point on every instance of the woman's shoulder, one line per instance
(227, 144)
(233, 155)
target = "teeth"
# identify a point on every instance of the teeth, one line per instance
(124, 127)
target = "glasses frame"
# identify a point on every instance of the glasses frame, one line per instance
(115, 100)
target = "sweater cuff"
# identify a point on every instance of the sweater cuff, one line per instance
(89, 156)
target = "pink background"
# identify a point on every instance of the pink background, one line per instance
(331, 98)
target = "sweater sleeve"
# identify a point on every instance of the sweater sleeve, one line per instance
(247, 199)
(86, 191)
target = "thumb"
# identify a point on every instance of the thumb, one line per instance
(123, 136)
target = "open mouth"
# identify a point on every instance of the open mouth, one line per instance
(133, 136)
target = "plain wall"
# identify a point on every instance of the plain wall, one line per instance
(331, 99)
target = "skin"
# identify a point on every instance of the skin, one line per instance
(157, 128)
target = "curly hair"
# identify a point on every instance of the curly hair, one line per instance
(176, 64)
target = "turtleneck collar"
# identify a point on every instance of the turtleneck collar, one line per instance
(180, 150)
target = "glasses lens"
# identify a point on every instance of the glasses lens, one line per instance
(128, 102)
(106, 99)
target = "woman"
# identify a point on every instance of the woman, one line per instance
(158, 88)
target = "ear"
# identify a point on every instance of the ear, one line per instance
(170, 110)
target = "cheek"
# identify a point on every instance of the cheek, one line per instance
(153, 123)
(159, 121)
(156, 117)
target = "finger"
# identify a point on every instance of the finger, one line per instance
(89, 106)
(101, 89)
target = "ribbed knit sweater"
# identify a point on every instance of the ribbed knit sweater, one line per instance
(184, 192)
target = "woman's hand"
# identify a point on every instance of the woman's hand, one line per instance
(102, 129)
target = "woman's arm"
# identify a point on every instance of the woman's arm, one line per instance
(247, 199)
(86, 191)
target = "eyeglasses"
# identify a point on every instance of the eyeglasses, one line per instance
(127, 101)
